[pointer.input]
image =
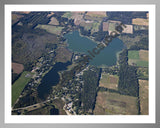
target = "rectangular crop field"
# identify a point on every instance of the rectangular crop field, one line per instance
(109, 103)
(97, 14)
(133, 54)
(17, 68)
(143, 94)
(109, 81)
(143, 55)
(140, 21)
(138, 58)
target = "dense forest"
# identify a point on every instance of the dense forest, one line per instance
(90, 87)
(142, 44)
(136, 41)
(128, 81)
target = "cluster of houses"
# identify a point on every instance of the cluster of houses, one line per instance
(68, 109)
(39, 69)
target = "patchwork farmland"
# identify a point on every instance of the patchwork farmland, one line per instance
(77, 16)
(109, 103)
(138, 58)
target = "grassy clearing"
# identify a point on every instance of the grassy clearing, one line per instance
(108, 103)
(138, 58)
(138, 63)
(67, 15)
(143, 93)
(51, 29)
(109, 81)
(95, 27)
(133, 54)
(142, 63)
(112, 27)
(19, 85)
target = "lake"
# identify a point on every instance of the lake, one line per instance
(107, 56)
(50, 79)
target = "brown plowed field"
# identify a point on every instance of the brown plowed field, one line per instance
(17, 68)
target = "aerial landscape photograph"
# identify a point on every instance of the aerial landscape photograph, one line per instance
(80, 63)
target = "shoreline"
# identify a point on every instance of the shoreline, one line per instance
(117, 56)
(89, 37)
(96, 42)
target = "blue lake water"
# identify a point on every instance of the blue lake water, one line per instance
(107, 56)
(51, 79)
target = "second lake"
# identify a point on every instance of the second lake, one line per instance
(107, 56)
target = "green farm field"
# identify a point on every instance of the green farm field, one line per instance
(133, 54)
(19, 85)
(138, 58)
